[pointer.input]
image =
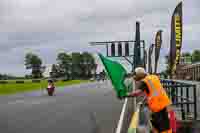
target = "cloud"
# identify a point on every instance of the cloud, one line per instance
(46, 26)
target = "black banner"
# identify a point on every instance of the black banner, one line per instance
(145, 59)
(158, 43)
(176, 38)
(149, 58)
(137, 52)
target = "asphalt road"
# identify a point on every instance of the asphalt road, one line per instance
(86, 108)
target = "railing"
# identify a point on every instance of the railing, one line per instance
(183, 96)
(126, 115)
(140, 122)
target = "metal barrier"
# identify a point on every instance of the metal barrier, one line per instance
(126, 115)
(183, 96)
(140, 122)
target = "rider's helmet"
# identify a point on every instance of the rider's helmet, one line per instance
(50, 81)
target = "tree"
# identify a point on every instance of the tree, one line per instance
(76, 65)
(186, 54)
(88, 64)
(32, 61)
(28, 76)
(77, 69)
(196, 56)
(65, 64)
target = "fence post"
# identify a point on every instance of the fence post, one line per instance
(176, 94)
(187, 96)
(195, 103)
(173, 91)
(182, 107)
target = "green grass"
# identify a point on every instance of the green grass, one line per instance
(12, 87)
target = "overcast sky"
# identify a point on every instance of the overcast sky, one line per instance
(46, 27)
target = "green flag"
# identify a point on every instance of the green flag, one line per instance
(116, 73)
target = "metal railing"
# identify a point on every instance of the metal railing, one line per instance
(126, 115)
(140, 121)
(183, 96)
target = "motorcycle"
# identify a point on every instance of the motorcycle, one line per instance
(50, 90)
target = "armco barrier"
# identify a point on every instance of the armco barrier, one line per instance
(3, 82)
(126, 114)
(36, 81)
(33, 81)
(20, 82)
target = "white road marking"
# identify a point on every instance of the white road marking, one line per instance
(17, 101)
(32, 102)
(120, 123)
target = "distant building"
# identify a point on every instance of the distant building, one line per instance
(188, 71)
(47, 71)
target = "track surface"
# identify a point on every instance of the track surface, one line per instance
(85, 108)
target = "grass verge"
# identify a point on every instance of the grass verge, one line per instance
(12, 87)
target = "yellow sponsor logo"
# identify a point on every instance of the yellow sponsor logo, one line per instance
(178, 30)
(178, 36)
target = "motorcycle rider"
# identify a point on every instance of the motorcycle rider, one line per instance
(50, 87)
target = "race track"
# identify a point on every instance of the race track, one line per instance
(86, 108)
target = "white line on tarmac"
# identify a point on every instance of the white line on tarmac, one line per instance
(17, 101)
(120, 123)
(38, 101)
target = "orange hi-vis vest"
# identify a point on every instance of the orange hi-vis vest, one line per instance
(157, 98)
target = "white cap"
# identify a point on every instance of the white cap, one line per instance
(140, 71)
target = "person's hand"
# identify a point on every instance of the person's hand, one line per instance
(121, 97)
(135, 93)
(129, 94)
